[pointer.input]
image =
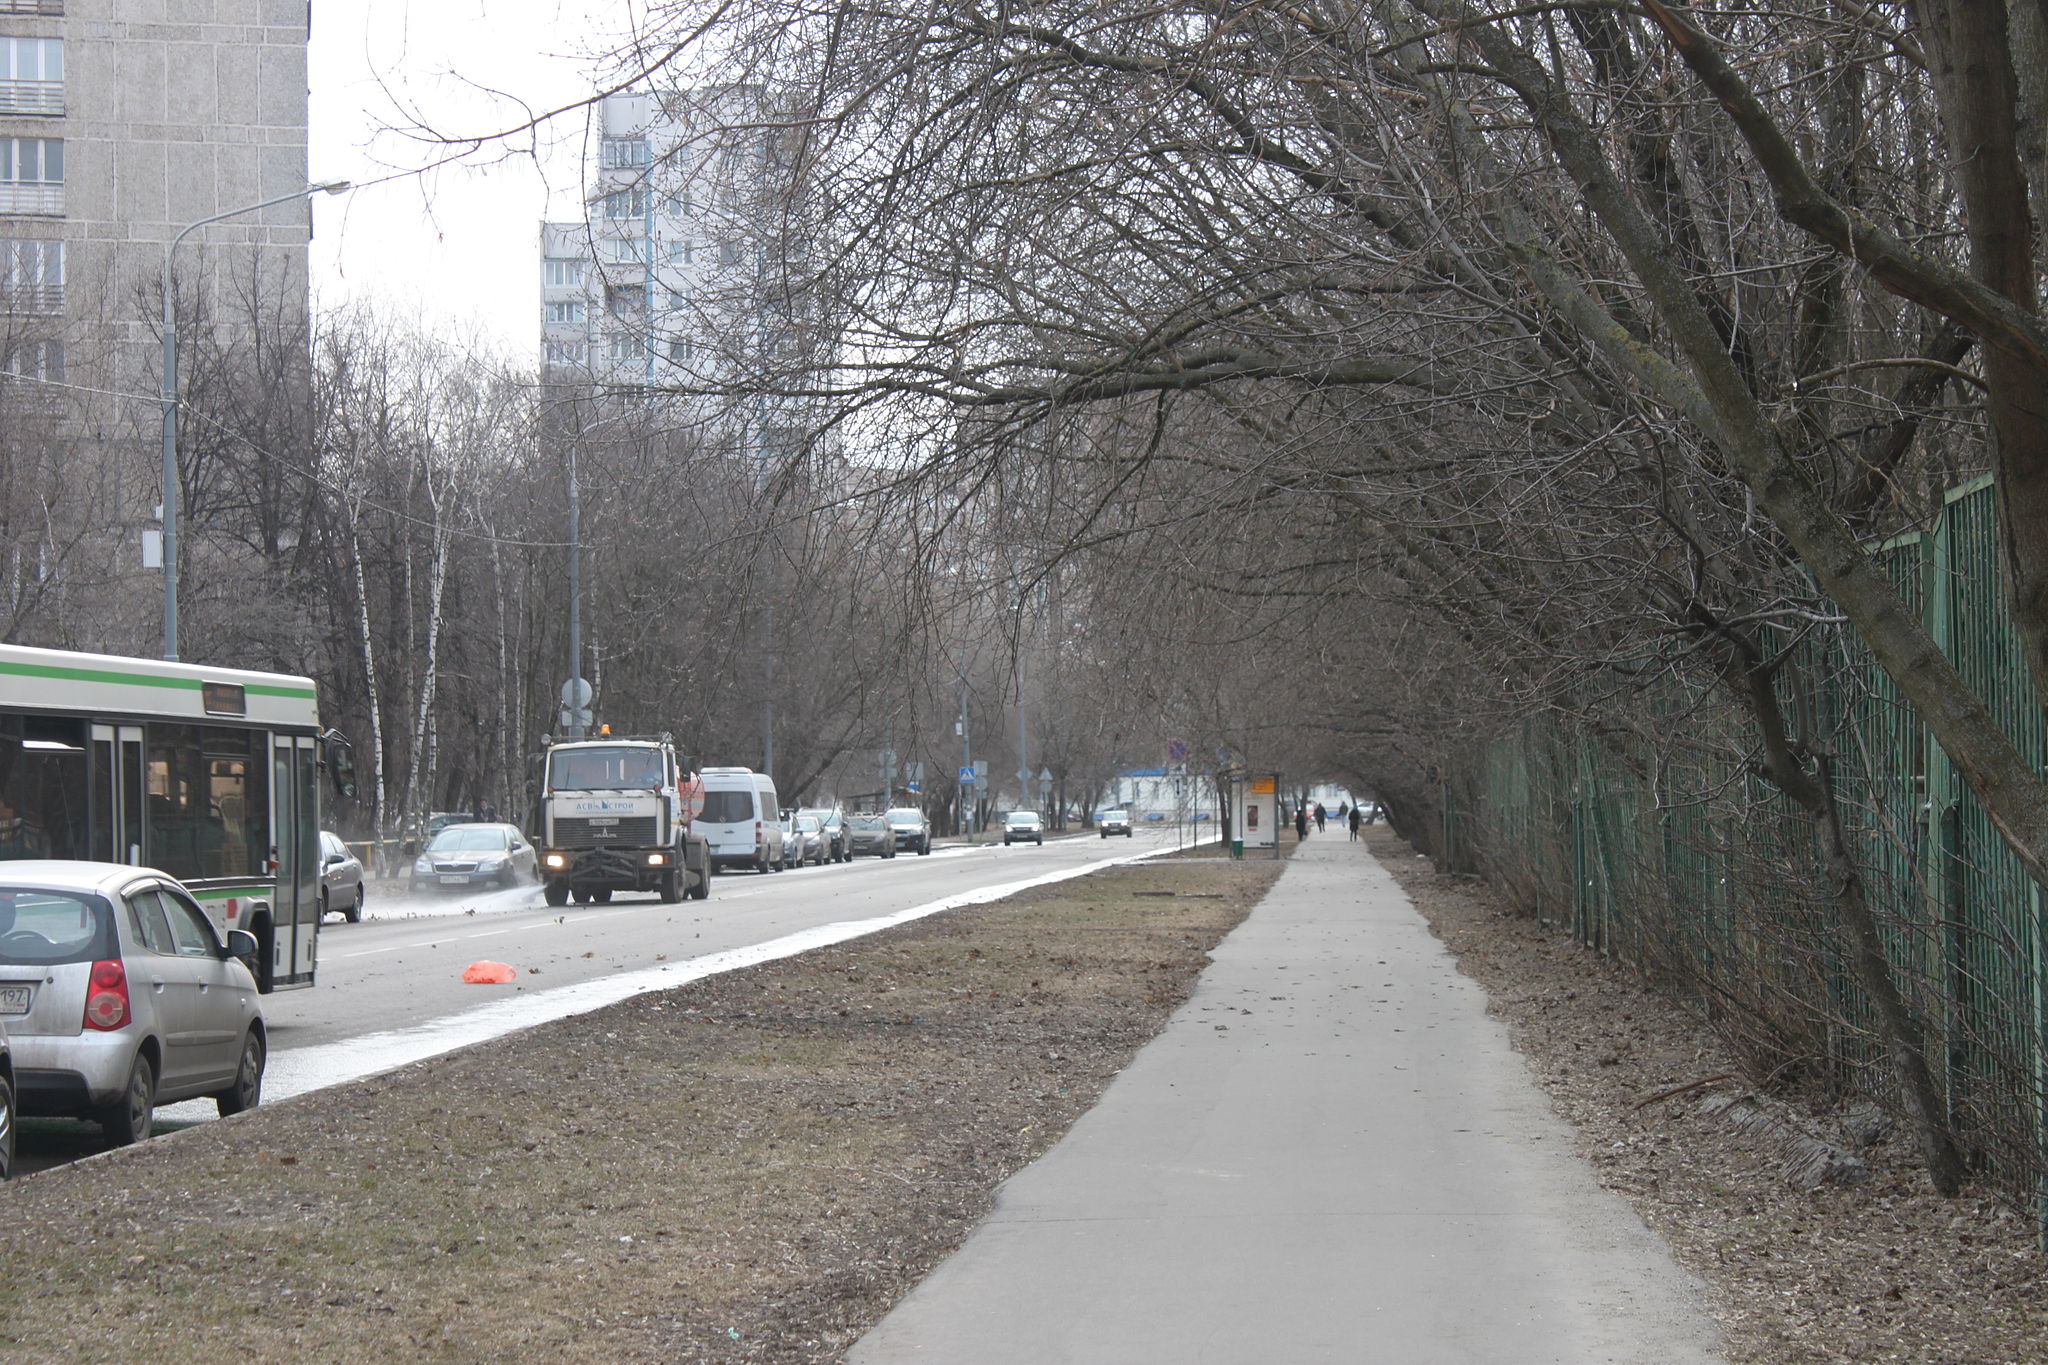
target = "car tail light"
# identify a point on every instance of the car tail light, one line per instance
(106, 996)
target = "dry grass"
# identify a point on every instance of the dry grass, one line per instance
(1886, 1271)
(750, 1168)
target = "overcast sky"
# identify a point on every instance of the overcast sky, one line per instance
(459, 245)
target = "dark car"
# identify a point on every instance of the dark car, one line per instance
(913, 831)
(832, 824)
(476, 855)
(1020, 825)
(870, 834)
(1113, 822)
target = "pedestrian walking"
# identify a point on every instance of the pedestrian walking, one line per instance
(1321, 815)
(1354, 824)
(1301, 822)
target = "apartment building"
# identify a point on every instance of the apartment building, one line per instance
(683, 278)
(122, 122)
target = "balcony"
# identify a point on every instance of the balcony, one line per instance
(33, 197)
(32, 97)
(40, 299)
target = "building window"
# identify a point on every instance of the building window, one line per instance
(45, 7)
(732, 253)
(31, 277)
(626, 203)
(626, 251)
(31, 175)
(679, 204)
(625, 300)
(43, 360)
(622, 347)
(31, 75)
(683, 252)
(571, 311)
(679, 349)
(676, 300)
(562, 352)
(621, 152)
(563, 272)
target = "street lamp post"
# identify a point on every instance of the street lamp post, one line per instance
(170, 404)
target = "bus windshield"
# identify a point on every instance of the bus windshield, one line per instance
(617, 768)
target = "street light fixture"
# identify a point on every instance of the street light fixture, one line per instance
(170, 403)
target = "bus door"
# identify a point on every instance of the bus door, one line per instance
(117, 793)
(295, 826)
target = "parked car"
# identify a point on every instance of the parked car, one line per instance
(118, 996)
(912, 829)
(475, 855)
(870, 834)
(810, 837)
(1020, 825)
(341, 879)
(832, 824)
(792, 842)
(8, 1113)
(1113, 822)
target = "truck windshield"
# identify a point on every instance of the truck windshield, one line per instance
(604, 769)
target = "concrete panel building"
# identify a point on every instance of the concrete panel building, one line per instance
(121, 123)
(685, 275)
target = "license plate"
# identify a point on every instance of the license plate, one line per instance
(455, 879)
(604, 821)
(16, 999)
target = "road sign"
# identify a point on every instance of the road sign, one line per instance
(1177, 751)
(966, 775)
(575, 718)
(576, 693)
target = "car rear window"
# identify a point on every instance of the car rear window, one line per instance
(46, 927)
(727, 807)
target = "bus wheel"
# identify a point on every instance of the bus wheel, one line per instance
(556, 893)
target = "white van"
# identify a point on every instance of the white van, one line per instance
(742, 819)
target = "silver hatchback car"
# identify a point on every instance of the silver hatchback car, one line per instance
(117, 996)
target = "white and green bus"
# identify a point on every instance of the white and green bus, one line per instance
(209, 774)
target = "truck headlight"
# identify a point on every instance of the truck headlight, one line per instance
(557, 861)
(657, 860)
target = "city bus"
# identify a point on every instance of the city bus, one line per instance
(209, 774)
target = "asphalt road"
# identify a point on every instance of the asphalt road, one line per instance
(390, 989)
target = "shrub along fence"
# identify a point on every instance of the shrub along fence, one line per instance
(1648, 833)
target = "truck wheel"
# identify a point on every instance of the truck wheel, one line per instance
(667, 889)
(582, 897)
(603, 895)
(700, 887)
(556, 893)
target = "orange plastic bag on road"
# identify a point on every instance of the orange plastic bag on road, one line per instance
(489, 973)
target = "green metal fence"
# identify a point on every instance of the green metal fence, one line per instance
(1654, 841)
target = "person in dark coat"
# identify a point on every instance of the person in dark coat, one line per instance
(1354, 822)
(1301, 822)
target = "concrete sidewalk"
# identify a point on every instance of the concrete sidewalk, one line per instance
(1330, 1154)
